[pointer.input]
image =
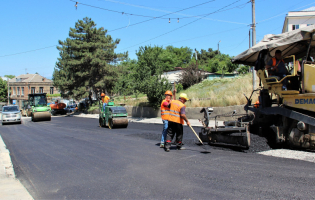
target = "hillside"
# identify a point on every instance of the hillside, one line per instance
(214, 93)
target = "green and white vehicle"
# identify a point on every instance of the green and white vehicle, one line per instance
(113, 116)
(40, 111)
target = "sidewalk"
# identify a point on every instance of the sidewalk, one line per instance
(10, 187)
(193, 122)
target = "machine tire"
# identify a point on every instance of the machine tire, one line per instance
(110, 124)
(100, 122)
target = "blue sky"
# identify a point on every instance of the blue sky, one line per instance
(39, 24)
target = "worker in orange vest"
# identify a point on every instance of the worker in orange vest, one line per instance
(177, 116)
(105, 100)
(276, 67)
(165, 110)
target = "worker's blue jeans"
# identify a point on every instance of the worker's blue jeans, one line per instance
(164, 132)
(104, 105)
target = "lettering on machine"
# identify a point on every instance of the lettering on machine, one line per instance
(304, 101)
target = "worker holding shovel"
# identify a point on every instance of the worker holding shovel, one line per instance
(165, 111)
(177, 116)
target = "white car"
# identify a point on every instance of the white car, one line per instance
(11, 114)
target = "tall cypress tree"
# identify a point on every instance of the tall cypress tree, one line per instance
(86, 61)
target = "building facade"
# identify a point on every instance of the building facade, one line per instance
(25, 84)
(299, 19)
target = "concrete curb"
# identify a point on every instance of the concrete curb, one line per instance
(194, 122)
(10, 187)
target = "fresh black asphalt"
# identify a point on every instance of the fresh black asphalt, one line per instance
(73, 158)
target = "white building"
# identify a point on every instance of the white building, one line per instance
(173, 76)
(299, 19)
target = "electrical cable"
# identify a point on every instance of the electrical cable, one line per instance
(180, 26)
(205, 35)
(169, 18)
(29, 51)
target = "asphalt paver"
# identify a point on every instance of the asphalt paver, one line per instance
(73, 158)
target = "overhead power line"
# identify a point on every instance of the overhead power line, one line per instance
(169, 12)
(182, 26)
(29, 51)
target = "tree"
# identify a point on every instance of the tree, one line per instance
(243, 69)
(190, 76)
(3, 90)
(9, 76)
(86, 61)
(146, 75)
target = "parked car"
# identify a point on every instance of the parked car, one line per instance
(11, 114)
(71, 108)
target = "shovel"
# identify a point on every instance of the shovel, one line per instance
(203, 146)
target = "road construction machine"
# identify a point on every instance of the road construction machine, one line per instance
(285, 114)
(113, 116)
(38, 107)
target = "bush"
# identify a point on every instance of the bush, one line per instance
(191, 76)
(179, 87)
(53, 95)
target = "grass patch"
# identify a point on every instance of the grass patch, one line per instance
(222, 92)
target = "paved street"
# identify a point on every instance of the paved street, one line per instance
(73, 158)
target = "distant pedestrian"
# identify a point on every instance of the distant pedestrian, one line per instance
(165, 111)
(176, 120)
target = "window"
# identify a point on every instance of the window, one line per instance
(51, 90)
(295, 27)
(18, 90)
(33, 90)
(22, 91)
(309, 24)
(41, 89)
(13, 90)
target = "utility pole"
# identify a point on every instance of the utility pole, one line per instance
(219, 47)
(249, 37)
(196, 57)
(8, 91)
(254, 39)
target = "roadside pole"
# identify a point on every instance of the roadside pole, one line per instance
(254, 39)
(8, 91)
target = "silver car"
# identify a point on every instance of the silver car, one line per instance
(11, 114)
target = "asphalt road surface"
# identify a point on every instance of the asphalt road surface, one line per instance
(73, 158)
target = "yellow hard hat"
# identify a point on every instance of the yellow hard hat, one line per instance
(184, 96)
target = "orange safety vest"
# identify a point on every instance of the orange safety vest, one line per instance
(105, 99)
(165, 111)
(176, 105)
(274, 62)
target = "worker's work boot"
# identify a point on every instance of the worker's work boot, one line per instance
(180, 148)
(166, 149)
(162, 145)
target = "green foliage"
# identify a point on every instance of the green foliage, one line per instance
(53, 95)
(179, 87)
(190, 76)
(124, 85)
(3, 90)
(9, 76)
(220, 63)
(204, 56)
(244, 69)
(85, 62)
(145, 76)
